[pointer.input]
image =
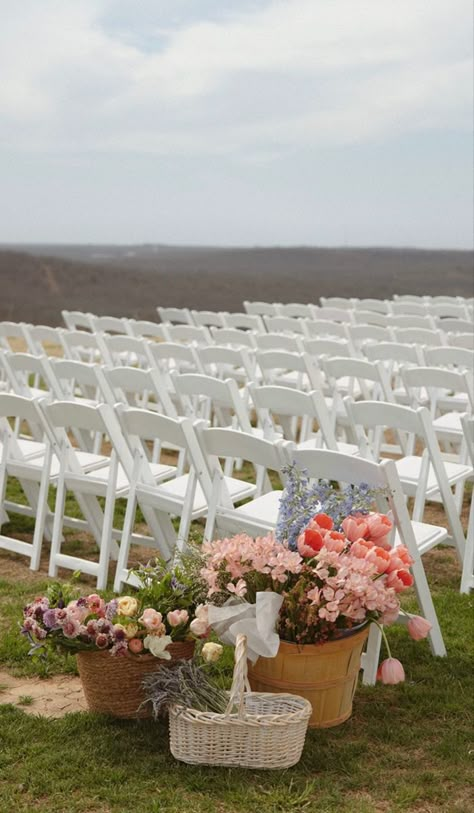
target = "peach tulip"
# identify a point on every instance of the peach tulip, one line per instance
(418, 627)
(391, 671)
(399, 580)
(355, 527)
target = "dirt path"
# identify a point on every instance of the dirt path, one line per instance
(51, 697)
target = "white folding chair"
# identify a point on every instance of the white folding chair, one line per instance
(284, 324)
(12, 336)
(411, 321)
(325, 329)
(290, 413)
(279, 341)
(295, 310)
(467, 579)
(418, 335)
(129, 351)
(361, 317)
(334, 466)
(77, 320)
(257, 516)
(336, 315)
(30, 375)
(447, 393)
(461, 340)
(144, 329)
(423, 477)
(393, 356)
(455, 325)
(208, 318)
(260, 309)
(328, 347)
(405, 308)
(228, 362)
(361, 334)
(337, 302)
(378, 305)
(43, 340)
(180, 316)
(289, 369)
(31, 468)
(452, 357)
(185, 496)
(233, 337)
(82, 346)
(244, 321)
(112, 325)
(187, 334)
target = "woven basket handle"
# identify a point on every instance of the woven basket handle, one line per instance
(240, 683)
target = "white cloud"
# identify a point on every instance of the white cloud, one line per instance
(279, 76)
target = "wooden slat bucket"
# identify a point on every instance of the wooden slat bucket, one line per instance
(325, 674)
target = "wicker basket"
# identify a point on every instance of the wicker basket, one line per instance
(113, 684)
(256, 731)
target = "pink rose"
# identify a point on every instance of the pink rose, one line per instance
(95, 603)
(71, 628)
(177, 617)
(418, 627)
(151, 619)
(135, 645)
(391, 671)
(77, 612)
(199, 627)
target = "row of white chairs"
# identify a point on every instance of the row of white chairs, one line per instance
(162, 492)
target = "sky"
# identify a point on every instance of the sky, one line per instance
(251, 122)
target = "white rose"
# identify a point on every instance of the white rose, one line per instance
(211, 652)
(157, 645)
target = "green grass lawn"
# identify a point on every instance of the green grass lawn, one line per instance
(406, 748)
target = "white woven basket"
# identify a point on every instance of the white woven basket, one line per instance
(257, 730)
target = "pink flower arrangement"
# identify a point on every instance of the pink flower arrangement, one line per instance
(335, 581)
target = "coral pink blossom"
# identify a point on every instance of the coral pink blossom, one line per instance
(151, 619)
(380, 558)
(322, 521)
(95, 603)
(77, 612)
(418, 627)
(355, 527)
(378, 529)
(402, 553)
(177, 617)
(313, 539)
(391, 671)
(334, 541)
(399, 580)
(360, 548)
(238, 589)
(135, 645)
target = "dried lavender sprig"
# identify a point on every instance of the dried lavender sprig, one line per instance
(184, 683)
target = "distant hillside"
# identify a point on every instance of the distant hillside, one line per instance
(132, 282)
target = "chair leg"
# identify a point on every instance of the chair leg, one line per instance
(467, 579)
(370, 658)
(43, 510)
(125, 542)
(57, 526)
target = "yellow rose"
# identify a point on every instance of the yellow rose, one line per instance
(127, 606)
(131, 630)
(211, 652)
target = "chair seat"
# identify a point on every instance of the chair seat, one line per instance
(263, 509)
(30, 448)
(427, 536)
(409, 470)
(160, 472)
(345, 448)
(238, 490)
(449, 424)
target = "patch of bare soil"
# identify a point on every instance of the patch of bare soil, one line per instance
(49, 697)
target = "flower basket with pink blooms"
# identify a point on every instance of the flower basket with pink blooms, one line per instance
(334, 571)
(119, 641)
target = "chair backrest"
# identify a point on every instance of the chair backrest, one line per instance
(180, 316)
(42, 339)
(77, 320)
(277, 363)
(418, 335)
(327, 347)
(404, 308)
(336, 315)
(451, 310)
(110, 324)
(82, 346)
(225, 362)
(364, 333)
(283, 324)
(378, 305)
(244, 321)
(371, 318)
(393, 352)
(234, 337)
(69, 417)
(360, 371)
(28, 374)
(22, 410)
(288, 403)
(410, 298)
(188, 333)
(144, 329)
(12, 331)
(461, 340)
(295, 310)
(325, 329)
(132, 386)
(261, 308)
(337, 302)
(207, 318)
(129, 351)
(223, 400)
(455, 325)
(168, 356)
(279, 341)
(411, 320)
(439, 383)
(449, 357)
(75, 379)
(230, 443)
(467, 422)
